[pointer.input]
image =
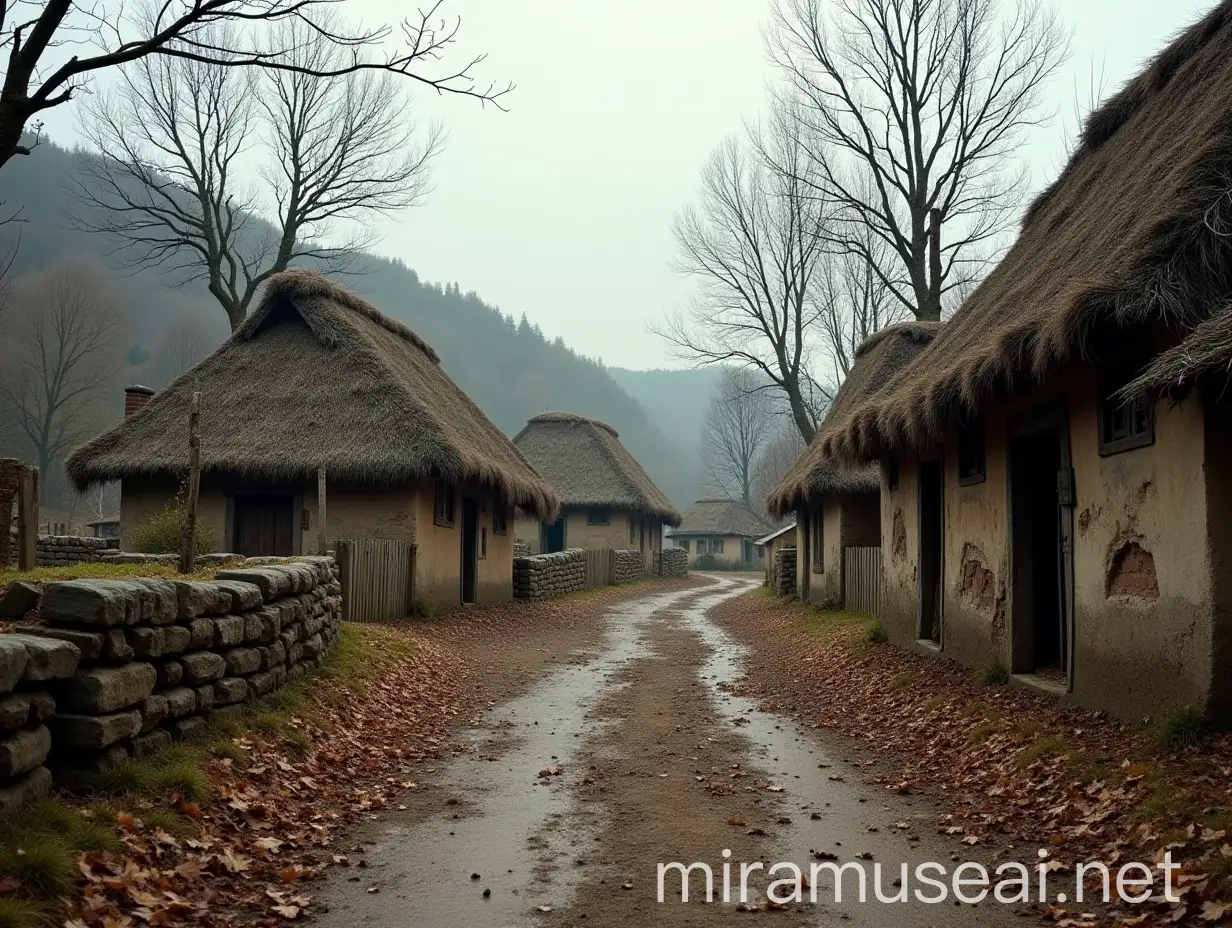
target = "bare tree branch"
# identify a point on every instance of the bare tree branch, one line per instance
(739, 421)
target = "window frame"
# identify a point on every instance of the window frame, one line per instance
(500, 517)
(445, 492)
(972, 442)
(716, 546)
(1112, 377)
(605, 510)
(483, 543)
(684, 544)
(817, 531)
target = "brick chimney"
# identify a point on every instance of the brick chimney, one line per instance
(135, 399)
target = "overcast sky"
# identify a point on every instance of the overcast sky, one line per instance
(561, 208)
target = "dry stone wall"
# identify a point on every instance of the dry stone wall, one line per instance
(671, 562)
(157, 658)
(67, 550)
(785, 571)
(543, 576)
(629, 566)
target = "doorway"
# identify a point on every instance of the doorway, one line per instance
(1041, 485)
(470, 549)
(554, 536)
(932, 546)
(264, 524)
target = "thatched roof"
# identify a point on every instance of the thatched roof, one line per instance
(585, 463)
(722, 517)
(1206, 354)
(877, 362)
(317, 378)
(766, 539)
(1133, 234)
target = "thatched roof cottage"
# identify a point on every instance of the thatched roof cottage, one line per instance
(1049, 513)
(724, 529)
(316, 378)
(606, 499)
(837, 504)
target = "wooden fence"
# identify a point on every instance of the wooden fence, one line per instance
(600, 567)
(378, 579)
(862, 579)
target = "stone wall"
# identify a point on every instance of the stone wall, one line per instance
(543, 576)
(522, 549)
(629, 565)
(157, 658)
(671, 562)
(784, 571)
(67, 550)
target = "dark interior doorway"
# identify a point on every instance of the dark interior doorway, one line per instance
(470, 548)
(264, 524)
(932, 542)
(554, 536)
(1037, 465)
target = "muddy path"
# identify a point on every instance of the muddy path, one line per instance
(632, 754)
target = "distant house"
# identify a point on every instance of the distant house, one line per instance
(606, 499)
(837, 505)
(780, 538)
(316, 378)
(723, 529)
(1043, 507)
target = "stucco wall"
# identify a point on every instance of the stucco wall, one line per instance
(528, 531)
(732, 548)
(438, 573)
(140, 499)
(847, 520)
(613, 535)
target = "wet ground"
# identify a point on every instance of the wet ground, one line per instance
(631, 755)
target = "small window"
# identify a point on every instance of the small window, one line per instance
(1123, 424)
(818, 532)
(684, 545)
(446, 495)
(598, 515)
(971, 455)
(716, 546)
(500, 517)
(892, 473)
(483, 543)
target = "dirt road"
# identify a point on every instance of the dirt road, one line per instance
(628, 755)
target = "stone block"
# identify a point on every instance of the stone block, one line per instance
(268, 581)
(151, 741)
(90, 644)
(42, 705)
(228, 631)
(263, 683)
(176, 639)
(34, 785)
(202, 666)
(313, 646)
(24, 750)
(242, 661)
(230, 690)
(14, 711)
(278, 654)
(146, 641)
(47, 658)
(280, 675)
(19, 599)
(295, 653)
(169, 673)
(93, 732)
(159, 601)
(87, 771)
(99, 690)
(108, 603)
(201, 633)
(13, 660)
(181, 701)
(205, 697)
(244, 596)
(186, 727)
(200, 597)
(116, 646)
(153, 710)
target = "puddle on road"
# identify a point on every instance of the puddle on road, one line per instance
(509, 826)
(854, 817)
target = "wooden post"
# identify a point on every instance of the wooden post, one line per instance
(188, 540)
(27, 518)
(322, 544)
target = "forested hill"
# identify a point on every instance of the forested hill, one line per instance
(507, 366)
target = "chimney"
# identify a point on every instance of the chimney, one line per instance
(135, 399)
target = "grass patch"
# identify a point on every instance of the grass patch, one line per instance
(824, 624)
(1173, 732)
(44, 865)
(877, 634)
(1040, 749)
(24, 913)
(905, 680)
(992, 673)
(983, 731)
(937, 700)
(176, 769)
(1165, 800)
(100, 571)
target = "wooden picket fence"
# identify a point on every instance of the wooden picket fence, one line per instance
(600, 567)
(378, 579)
(862, 579)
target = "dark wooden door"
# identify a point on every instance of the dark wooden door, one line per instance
(470, 549)
(554, 536)
(264, 525)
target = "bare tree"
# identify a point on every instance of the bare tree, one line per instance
(755, 243)
(929, 101)
(180, 131)
(182, 346)
(61, 355)
(55, 46)
(779, 454)
(739, 420)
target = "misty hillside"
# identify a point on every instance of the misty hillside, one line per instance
(510, 369)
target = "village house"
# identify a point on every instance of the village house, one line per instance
(606, 499)
(317, 379)
(770, 546)
(723, 529)
(1039, 513)
(837, 505)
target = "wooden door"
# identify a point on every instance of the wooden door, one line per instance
(264, 525)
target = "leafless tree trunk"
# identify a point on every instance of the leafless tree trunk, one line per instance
(180, 132)
(53, 48)
(755, 243)
(183, 345)
(739, 420)
(928, 101)
(60, 356)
